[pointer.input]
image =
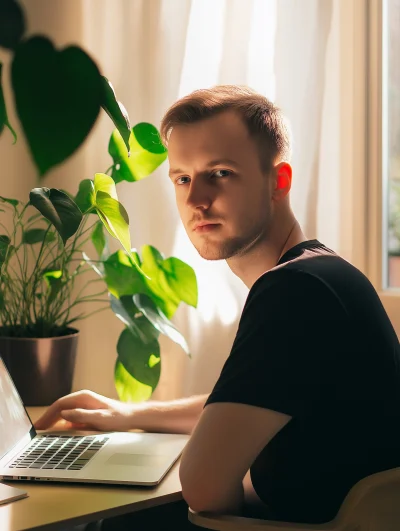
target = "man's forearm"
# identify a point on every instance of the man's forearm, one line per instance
(172, 416)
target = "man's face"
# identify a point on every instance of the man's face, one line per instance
(222, 194)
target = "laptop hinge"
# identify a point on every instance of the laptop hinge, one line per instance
(15, 450)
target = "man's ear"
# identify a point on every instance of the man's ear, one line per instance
(282, 174)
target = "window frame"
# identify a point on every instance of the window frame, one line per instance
(377, 159)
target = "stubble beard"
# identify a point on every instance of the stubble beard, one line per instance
(231, 247)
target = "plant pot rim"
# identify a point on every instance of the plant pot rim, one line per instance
(73, 332)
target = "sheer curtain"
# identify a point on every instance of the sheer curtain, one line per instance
(155, 51)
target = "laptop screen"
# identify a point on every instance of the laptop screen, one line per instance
(14, 421)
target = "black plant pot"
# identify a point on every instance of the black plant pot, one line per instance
(42, 368)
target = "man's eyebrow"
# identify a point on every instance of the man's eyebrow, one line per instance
(216, 162)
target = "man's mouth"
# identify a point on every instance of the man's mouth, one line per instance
(205, 226)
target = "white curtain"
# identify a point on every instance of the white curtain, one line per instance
(155, 51)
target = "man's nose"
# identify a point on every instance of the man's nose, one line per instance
(199, 195)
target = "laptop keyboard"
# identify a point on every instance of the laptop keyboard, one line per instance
(60, 452)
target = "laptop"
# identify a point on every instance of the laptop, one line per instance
(121, 458)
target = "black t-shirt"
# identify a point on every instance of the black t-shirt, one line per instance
(315, 342)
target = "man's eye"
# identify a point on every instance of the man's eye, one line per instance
(179, 179)
(222, 173)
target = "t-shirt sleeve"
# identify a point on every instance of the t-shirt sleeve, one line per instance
(284, 355)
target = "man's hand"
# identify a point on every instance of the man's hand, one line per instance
(88, 410)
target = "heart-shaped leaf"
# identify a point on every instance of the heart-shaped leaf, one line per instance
(116, 111)
(159, 321)
(57, 96)
(141, 360)
(170, 280)
(85, 197)
(163, 295)
(12, 24)
(115, 218)
(122, 277)
(37, 236)
(4, 244)
(125, 309)
(110, 210)
(58, 208)
(146, 153)
(3, 111)
(104, 183)
(181, 279)
(128, 388)
(99, 240)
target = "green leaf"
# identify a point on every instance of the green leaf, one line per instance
(128, 388)
(170, 280)
(37, 235)
(4, 244)
(2, 300)
(58, 208)
(125, 309)
(136, 357)
(104, 183)
(115, 218)
(146, 153)
(12, 24)
(110, 211)
(57, 96)
(116, 111)
(157, 283)
(181, 279)
(3, 111)
(123, 278)
(85, 197)
(12, 202)
(159, 321)
(52, 274)
(54, 281)
(98, 239)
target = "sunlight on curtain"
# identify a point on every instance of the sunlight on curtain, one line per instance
(261, 74)
(203, 45)
(234, 45)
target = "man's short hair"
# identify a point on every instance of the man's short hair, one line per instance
(264, 120)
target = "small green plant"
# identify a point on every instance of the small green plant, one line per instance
(58, 95)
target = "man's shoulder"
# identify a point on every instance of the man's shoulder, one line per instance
(318, 269)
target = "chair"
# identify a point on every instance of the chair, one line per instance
(373, 504)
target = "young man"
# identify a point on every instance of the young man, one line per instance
(308, 401)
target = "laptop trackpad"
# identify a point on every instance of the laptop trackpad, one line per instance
(139, 460)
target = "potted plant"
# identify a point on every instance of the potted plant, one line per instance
(43, 242)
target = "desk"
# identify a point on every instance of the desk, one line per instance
(51, 507)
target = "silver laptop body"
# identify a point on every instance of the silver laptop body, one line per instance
(123, 458)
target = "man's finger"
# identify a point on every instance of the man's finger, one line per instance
(72, 401)
(85, 417)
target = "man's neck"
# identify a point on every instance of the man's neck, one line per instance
(265, 255)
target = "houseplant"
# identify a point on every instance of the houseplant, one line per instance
(58, 96)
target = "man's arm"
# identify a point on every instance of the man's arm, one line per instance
(173, 416)
(222, 448)
(86, 409)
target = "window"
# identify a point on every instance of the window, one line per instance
(383, 153)
(391, 141)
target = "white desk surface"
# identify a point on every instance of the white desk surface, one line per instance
(51, 506)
